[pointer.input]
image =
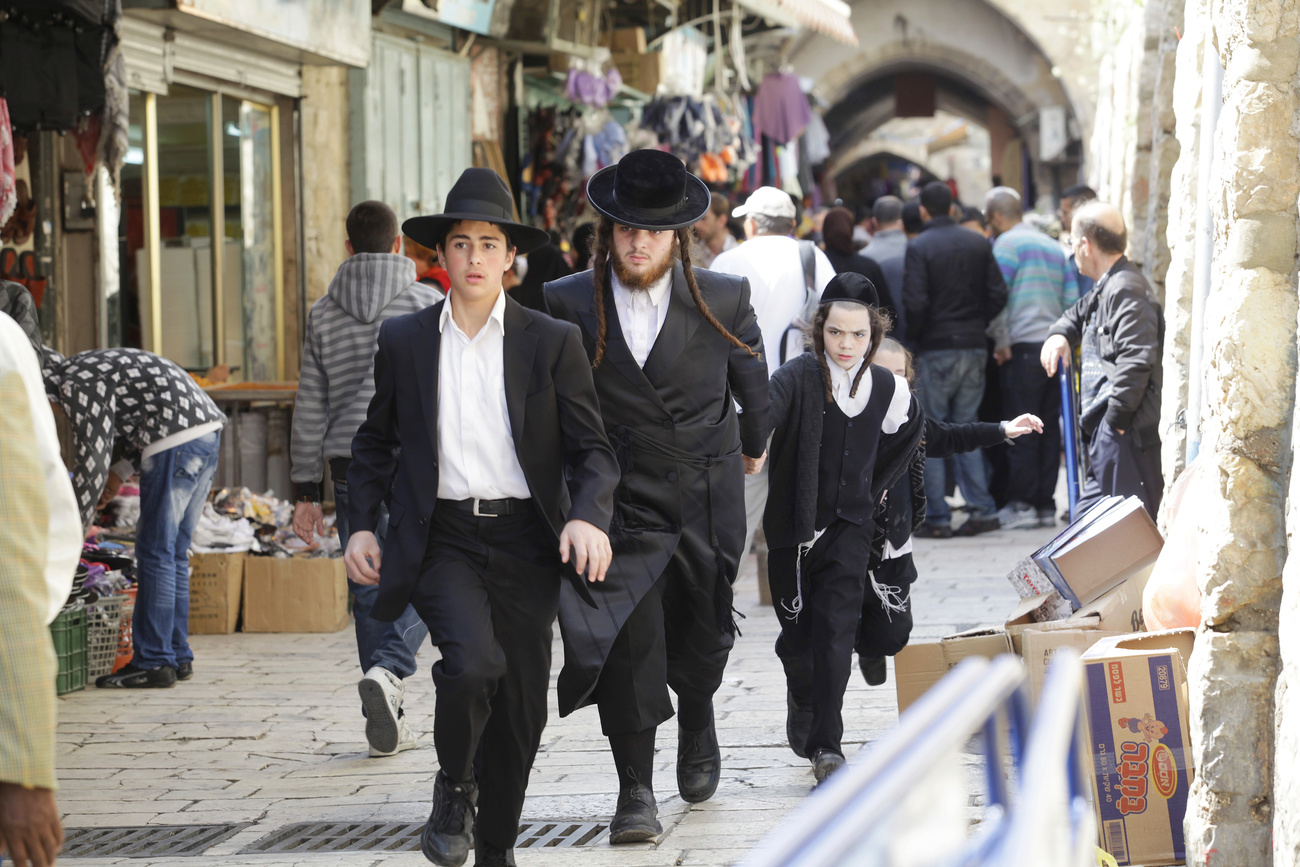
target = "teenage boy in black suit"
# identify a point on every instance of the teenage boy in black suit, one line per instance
(489, 404)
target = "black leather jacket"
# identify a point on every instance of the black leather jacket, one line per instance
(952, 287)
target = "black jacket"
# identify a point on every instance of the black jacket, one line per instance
(1122, 331)
(952, 287)
(679, 441)
(554, 421)
(798, 407)
(869, 268)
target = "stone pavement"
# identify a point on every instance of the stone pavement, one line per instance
(269, 732)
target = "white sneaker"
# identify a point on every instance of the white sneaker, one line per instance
(1017, 516)
(381, 696)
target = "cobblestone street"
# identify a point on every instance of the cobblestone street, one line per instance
(269, 733)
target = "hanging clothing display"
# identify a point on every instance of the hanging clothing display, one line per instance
(8, 172)
(780, 108)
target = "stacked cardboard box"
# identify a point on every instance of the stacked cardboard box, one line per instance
(640, 71)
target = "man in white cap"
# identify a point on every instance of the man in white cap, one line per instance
(782, 274)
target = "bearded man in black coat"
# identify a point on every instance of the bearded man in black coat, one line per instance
(673, 351)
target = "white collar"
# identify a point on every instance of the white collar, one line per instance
(839, 374)
(498, 314)
(655, 293)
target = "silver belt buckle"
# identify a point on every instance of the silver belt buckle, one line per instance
(478, 514)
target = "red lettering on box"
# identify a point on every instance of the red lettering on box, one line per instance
(1133, 770)
(1116, 671)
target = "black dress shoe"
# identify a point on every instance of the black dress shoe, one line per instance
(825, 763)
(873, 669)
(184, 670)
(487, 855)
(699, 763)
(798, 723)
(447, 836)
(636, 819)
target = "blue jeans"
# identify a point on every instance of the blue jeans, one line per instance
(174, 485)
(950, 386)
(389, 645)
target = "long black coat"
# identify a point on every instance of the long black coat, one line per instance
(554, 421)
(679, 442)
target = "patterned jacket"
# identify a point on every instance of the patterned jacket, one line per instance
(121, 393)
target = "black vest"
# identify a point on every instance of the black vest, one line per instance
(848, 455)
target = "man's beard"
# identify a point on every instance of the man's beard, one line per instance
(645, 279)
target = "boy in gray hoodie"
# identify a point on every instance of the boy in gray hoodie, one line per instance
(374, 284)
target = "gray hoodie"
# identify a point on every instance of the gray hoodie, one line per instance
(338, 357)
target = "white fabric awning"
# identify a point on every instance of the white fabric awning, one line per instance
(828, 17)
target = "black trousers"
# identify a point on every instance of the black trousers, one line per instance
(489, 590)
(671, 640)
(1033, 462)
(882, 632)
(1125, 465)
(818, 608)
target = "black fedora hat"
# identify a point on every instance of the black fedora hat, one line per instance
(649, 189)
(851, 286)
(478, 194)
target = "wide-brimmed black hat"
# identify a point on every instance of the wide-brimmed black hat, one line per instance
(649, 189)
(479, 194)
(851, 286)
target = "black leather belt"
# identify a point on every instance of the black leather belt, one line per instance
(487, 508)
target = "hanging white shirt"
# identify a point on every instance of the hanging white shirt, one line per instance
(641, 314)
(476, 453)
(842, 384)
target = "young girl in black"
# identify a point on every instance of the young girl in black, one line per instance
(845, 431)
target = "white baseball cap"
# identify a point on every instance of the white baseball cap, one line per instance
(768, 201)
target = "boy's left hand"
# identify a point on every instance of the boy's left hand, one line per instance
(591, 550)
(1023, 424)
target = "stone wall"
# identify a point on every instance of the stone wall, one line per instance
(326, 191)
(1250, 333)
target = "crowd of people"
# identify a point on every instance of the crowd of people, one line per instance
(598, 435)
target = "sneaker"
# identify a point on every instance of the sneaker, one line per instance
(131, 677)
(1047, 517)
(1017, 516)
(381, 697)
(447, 837)
(933, 531)
(825, 763)
(405, 741)
(974, 526)
(184, 670)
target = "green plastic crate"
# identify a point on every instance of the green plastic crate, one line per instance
(69, 633)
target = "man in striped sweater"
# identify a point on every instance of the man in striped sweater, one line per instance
(374, 284)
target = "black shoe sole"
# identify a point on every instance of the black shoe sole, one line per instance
(635, 834)
(184, 675)
(381, 726)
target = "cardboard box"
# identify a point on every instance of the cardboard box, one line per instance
(1136, 708)
(1044, 640)
(1029, 580)
(216, 582)
(641, 72)
(1095, 553)
(921, 665)
(630, 39)
(1119, 610)
(295, 594)
(1043, 608)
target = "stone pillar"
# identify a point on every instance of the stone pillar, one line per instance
(326, 190)
(1249, 398)
(1181, 236)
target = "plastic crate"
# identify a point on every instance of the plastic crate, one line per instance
(125, 645)
(103, 634)
(69, 634)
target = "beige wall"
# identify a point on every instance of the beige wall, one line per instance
(326, 193)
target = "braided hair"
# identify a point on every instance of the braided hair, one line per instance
(879, 328)
(601, 245)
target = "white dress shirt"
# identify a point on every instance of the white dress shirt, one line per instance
(476, 453)
(842, 384)
(641, 314)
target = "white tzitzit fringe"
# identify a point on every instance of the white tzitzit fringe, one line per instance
(795, 606)
(892, 598)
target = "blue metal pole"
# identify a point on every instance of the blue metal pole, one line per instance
(1069, 434)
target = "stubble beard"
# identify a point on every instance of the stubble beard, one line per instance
(645, 279)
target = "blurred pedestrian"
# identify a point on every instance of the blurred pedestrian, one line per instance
(427, 269)
(1072, 199)
(1121, 334)
(973, 218)
(1040, 287)
(952, 290)
(712, 234)
(913, 222)
(888, 247)
(335, 386)
(581, 246)
(40, 541)
(545, 264)
(837, 232)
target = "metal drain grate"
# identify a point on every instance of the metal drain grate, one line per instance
(149, 841)
(405, 837)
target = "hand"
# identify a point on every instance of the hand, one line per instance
(1023, 424)
(111, 486)
(30, 832)
(591, 551)
(308, 521)
(362, 558)
(1056, 350)
(753, 466)
(1002, 356)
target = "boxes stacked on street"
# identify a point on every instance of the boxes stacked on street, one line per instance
(922, 664)
(216, 589)
(1138, 737)
(295, 594)
(1106, 545)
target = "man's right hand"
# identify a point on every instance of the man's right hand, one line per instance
(308, 521)
(30, 832)
(363, 557)
(1056, 351)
